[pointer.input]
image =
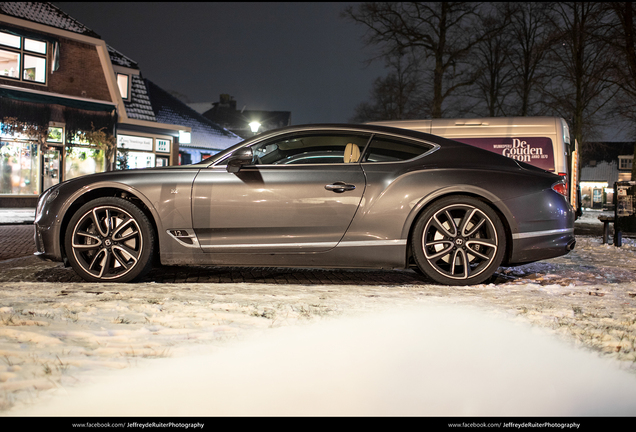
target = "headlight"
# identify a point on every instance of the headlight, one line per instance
(52, 196)
(47, 197)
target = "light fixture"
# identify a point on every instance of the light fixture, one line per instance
(254, 126)
(184, 137)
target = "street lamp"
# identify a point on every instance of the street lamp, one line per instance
(254, 126)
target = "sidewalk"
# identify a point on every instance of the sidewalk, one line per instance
(16, 241)
(17, 216)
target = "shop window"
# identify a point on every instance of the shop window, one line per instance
(55, 135)
(19, 168)
(22, 58)
(52, 157)
(136, 160)
(82, 161)
(184, 158)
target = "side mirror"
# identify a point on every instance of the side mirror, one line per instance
(242, 156)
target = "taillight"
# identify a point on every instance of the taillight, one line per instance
(560, 188)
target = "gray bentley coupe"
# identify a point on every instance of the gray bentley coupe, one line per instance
(329, 196)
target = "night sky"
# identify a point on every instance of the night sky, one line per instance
(298, 57)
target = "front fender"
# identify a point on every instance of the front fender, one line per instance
(168, 202)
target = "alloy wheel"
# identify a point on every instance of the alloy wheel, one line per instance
(460, 241)
(107, 242)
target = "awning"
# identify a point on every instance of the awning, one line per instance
(32, 97)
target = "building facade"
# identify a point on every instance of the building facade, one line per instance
(206, 139)
(605, 163)
(69, 105)
(143, 140)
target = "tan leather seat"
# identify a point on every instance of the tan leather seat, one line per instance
(351, 153)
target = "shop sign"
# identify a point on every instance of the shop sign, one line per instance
(163, 146)
(134, 142)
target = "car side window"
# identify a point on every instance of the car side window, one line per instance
(323, 148)
(384, 149)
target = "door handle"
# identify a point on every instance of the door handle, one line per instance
(340, 187)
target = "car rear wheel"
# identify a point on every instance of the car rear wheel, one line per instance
(110, 240)
(458, 240)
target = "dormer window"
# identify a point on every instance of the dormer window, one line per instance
(123, 82)
(625, 162)
(22, 58)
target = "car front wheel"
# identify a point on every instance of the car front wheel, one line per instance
(110, 240)
(458, 240)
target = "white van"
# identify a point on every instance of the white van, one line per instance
(540, 141)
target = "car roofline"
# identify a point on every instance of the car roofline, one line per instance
(397, 132)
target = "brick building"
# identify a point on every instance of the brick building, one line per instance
(59, 84)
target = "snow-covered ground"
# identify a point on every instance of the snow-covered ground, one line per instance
(552, 338)
(427, 360)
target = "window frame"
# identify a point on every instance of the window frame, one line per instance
(22, 52)
(128, 89)
(628, 160)
(367, 149)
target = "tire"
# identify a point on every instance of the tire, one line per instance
(458, 240)
(119, 251)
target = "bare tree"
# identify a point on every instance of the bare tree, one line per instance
(580, 90)
(532, 33)
(441, 33)
(493, 85)
(396, 96)
(622, 39)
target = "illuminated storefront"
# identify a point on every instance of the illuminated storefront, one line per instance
(20, 167)
(38, 148)
(27, 168)
(66, 106)
(82, 161)
(143, 151)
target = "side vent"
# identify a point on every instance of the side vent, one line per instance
(184, 237)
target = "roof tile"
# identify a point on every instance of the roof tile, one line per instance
(205, 133)
(45, 13)
(139, 106)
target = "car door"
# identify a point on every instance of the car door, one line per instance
(298, 195)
